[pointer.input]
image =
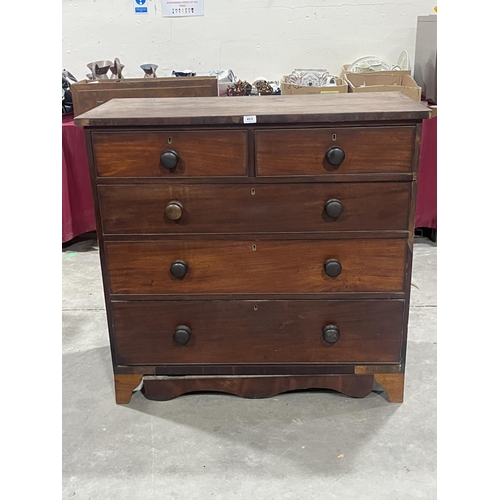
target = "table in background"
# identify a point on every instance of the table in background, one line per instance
(77, 203)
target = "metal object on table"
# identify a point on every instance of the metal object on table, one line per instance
(149, 70)
(186, 72)
(116, 69)
(99, 69)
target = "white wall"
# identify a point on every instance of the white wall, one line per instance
(267, 38)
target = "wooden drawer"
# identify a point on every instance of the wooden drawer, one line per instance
(230, 208)
(258, 331)
(264, 267)
(303, 151)
(200, 153)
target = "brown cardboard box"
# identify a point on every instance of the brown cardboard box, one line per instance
(89, 94)
(344, 74)
(290, 89)
(375, 82)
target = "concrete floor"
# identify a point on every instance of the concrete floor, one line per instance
(304, 445)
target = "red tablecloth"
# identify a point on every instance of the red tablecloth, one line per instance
(426, 210)
(77, 204)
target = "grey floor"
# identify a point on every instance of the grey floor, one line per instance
(304, 445)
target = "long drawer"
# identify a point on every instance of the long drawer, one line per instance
(231, 208)
(289, 266)
(349, 150)
(258, 331)
(189, 154)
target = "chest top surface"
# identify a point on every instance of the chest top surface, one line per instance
(200, 111)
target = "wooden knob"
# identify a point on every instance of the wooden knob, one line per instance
(331, 334)
(178, 269)
(174, 210)
(169, 159)
(335, 156)
(333, 268)
(182, 334)
(334, 208)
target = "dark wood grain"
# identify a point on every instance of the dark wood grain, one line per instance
(319, 108)
(268, 267)
(258, 331)
(302, 152)
(100, 240)
(247, 369)
(256, 315)
(88, 95)
(261, 295)
(317, 235)
(165, 388)
(207, 153)
(246, 209)
(297, 179)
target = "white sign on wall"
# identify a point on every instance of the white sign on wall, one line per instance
(177, 8)
(141, 6)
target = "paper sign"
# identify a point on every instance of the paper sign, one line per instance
(141, 6)
(176, 8)
(250, 119)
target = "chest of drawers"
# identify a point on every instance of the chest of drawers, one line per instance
(256, 245)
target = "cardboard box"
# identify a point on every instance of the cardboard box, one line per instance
(88, 94)
(291, 89)
(344, 74)
(375, 82)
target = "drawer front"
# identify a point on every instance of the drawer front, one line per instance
(227, 208)
(292, 266)
(251, 332)
(304, 151)
(199, 153)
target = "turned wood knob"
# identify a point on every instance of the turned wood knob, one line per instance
(331, 334)
(333, 268)
(174, 210)
(169, 159)
(182, 334)
(178, 269)
(335, 156)
(334, 208)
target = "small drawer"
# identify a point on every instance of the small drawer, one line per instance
(326, 151)
(253, 332)
(232, 267)
(231, 208)
(171, 154)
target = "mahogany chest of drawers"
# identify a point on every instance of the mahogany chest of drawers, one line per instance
(256, 245)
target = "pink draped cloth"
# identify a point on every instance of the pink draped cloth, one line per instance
(77, 204)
